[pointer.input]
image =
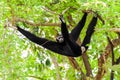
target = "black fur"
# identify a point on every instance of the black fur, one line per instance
(68, 47)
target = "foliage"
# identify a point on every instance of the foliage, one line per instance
(21, 59)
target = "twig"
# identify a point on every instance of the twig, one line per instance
(70, 19)
(113, 62)
(34, 77)
(101, 19)
(111, 29)
(104, 56)
(57, 68)
(64, 11)
(48, 10)
(75, 65)
(91, 11)
(36, 24)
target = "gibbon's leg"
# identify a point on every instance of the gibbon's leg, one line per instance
(76, 31)
(71, 46)
(89, 31)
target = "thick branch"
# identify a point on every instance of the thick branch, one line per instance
(86, 62)
(113, 62)
(87, 65)
(104, 56)
(75, 65)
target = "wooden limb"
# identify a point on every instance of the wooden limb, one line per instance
(117, 30)
(48, 10)
(70, 19)
(64, 11)
(113, 62)
(99, 16)
(58, 76)
(75, 65)
(87, 65)
(101, 19)
(103, 57)
(117, 61)
(36, 24)
(86, 62)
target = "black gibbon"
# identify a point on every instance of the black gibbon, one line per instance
(65, 44)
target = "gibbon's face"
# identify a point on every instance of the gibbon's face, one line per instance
(60, 39)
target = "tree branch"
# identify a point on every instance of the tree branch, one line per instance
(104, 56)
(117, 61)
(113, 62)
(58, 76)
(111, 29)
(86, 63)
(36, 24)
(48, 10)
(75, 65)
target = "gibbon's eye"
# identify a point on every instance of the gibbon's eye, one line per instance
(60, 39)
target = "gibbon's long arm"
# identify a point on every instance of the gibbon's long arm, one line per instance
(90, 31)
(53, 46)
(64, 29)
(75, 33)
(50, 45)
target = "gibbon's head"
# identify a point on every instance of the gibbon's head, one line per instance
(60, 39)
